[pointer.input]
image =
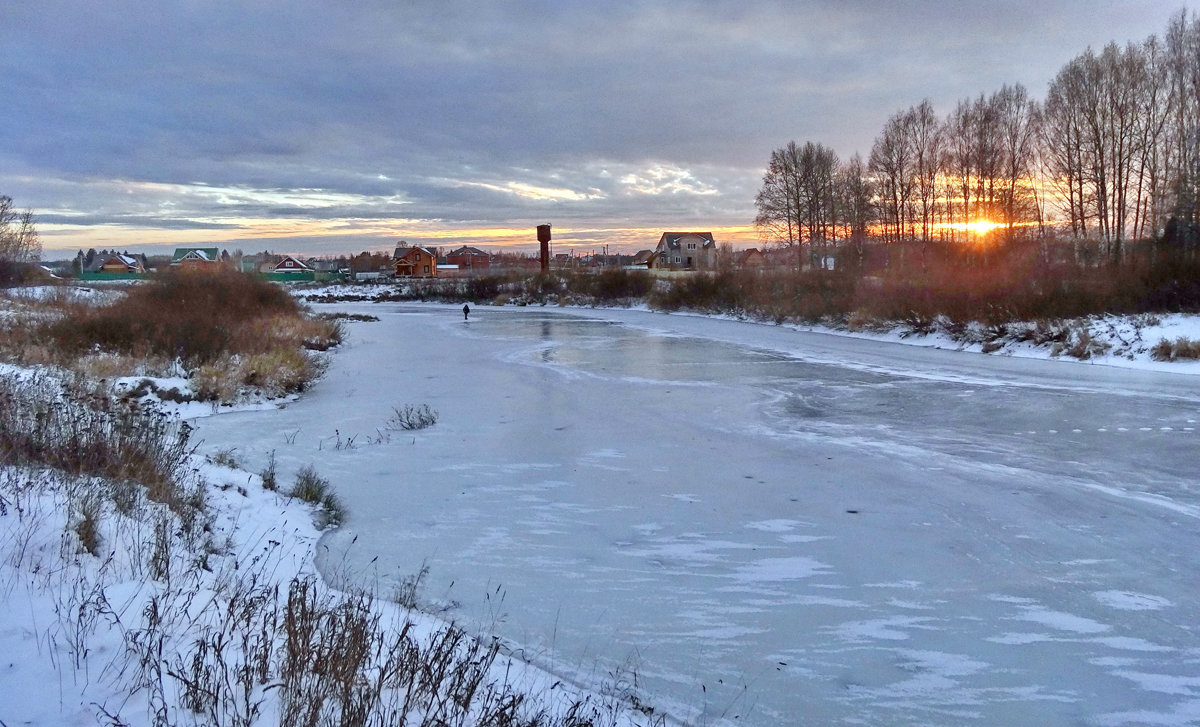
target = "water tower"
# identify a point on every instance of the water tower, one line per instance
(543, 235)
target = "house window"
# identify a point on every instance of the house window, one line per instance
(691, 246)
(677, 260)
(426, 268)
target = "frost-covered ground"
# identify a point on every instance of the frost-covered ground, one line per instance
(737, 522)
(764, 525)
(122, 635)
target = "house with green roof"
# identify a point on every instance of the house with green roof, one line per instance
(196, 258)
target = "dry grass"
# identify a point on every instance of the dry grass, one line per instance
(227, 331)
(1181, 349)
(82, 434)
(195, 319)
(315, 489)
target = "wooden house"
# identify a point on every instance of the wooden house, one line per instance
(197, 259)
(291, 264)
(752, 258)
(415, 262)
(119, 264)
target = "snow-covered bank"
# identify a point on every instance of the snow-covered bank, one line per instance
(118, 610)
(1109, 340)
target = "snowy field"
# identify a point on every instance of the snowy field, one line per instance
(758, 525)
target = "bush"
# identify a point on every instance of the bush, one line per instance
(269, 479)
(199, 319)
(412, 418)
(1182, 348)
(312, 488)
(80, 435)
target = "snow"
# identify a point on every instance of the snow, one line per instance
(70, 618)
(756, 524)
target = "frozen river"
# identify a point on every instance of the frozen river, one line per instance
(766, 526)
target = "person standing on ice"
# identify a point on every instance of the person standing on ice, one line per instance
(466, 311)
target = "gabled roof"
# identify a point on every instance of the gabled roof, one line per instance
(207, 254)
(672, 239)
(290, 262)
(403, 252)
(467, 250)
(129, 261)
(745, 255)
(643, 256)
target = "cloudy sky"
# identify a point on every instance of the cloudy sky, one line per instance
(322, 127)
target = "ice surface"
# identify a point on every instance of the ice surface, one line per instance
(770, 526)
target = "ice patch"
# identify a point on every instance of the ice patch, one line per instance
(774, 526)
(1131, 601)
(1015, 639)
(725, 633)
(1163, 683)
(793, 539)
(769, 570)
(881, 629)
(1064, 621)
(1129, 643)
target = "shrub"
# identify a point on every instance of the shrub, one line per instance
(202, 321)
(269, 480)
(85, 435)
(225, 458)
(1181, 348)
(312, 488)
(411, 418)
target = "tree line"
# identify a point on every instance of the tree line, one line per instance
(1110, 155)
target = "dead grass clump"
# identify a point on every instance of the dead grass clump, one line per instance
(87, 524)
(1081, 345)
(229, 329)
(276, 372)
(281, 371)
(42, 427)
(312, 488)
(216, 382)
(269, 477)
(1181, 349)
(412, 418)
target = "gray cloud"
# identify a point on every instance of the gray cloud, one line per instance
(439, 111)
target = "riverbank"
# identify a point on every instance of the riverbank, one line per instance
(1143, 341)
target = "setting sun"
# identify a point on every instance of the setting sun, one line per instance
(979, 227)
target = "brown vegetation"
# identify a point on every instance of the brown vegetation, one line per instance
(41, 425)
(228, 330)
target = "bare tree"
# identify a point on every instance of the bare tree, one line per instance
(1017, 119)
(925, 133)
(856, 207)
(892, 163)
(778, 200)
(19, 241)
(796, 203)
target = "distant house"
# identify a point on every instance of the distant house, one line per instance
(642, 259)
(469, 258)
(415, 262)
(751, 258)
(197, 259)
(118, 264)
(291, 264)
(686, 251)
(781, 257)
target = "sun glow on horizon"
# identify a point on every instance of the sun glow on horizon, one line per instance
(979, 227)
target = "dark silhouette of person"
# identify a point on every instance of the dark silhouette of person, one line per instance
(466, 311)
